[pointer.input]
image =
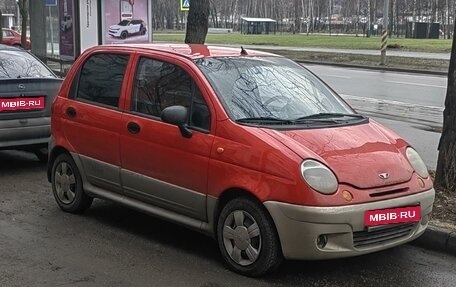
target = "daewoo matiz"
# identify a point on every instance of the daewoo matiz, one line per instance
(245, 146)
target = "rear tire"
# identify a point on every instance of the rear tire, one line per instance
(247, 238)
(67, 185)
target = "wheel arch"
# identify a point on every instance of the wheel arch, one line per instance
(56, 151)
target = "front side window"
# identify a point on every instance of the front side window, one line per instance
(159, 85)
(101, 78)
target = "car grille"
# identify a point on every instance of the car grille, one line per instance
(383, 234)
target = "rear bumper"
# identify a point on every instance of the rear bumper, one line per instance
(24, 132)
(300, 226)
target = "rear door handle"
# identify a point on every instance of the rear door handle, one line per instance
(71, 112)
(133, 128)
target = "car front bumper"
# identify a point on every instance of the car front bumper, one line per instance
(299, 227)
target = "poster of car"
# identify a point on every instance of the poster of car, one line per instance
(66, 43)
(125, 21)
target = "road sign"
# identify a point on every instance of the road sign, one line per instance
(184, 5)
(50, 2)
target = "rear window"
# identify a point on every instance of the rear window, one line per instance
(20, 64)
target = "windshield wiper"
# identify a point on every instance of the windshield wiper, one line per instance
(265, 120)
(331, 116)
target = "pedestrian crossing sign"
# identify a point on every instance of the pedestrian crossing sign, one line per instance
(185, 5)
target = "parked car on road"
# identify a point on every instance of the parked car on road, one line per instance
(13, 38)
(248, 147)
(67, 23)
(126, 28)
(27, 90)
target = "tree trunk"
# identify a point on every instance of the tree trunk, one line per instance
(446, 164)
(197, 23)
(1, 26)
(23, 9)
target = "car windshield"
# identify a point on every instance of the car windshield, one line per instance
(271, 89)
(124, 23)
(20, 64)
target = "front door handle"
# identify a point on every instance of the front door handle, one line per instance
(71, 112)
(133, 128)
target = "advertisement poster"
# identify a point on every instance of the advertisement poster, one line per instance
(125, 21)
(88, 11)
(66, 17)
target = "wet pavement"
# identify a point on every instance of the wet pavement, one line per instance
(409, 104)
(112, 246)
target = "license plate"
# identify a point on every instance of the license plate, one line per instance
(21, 104)
(393, 215)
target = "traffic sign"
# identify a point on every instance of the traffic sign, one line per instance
(184, 5)
(50, 2)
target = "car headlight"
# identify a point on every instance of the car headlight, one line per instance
(319, 177)
(417, 163)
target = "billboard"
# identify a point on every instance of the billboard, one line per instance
(88, 24)
(66, 17)
(125, 21)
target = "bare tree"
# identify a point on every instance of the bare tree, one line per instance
(198, 22)
(23, 9)
(1, 27)
(446, 164)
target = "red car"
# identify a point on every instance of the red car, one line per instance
(248, 147)
(13, 38)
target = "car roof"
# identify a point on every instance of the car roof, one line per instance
(9, 48)
(192, 51)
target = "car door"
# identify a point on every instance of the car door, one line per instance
(159, 165)
(92, 117)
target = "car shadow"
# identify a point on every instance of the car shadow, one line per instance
(12, 161)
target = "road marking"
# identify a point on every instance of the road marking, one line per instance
(336, 76)
(416, 84)
(390, 102)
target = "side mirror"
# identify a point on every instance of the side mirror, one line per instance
(177, 115)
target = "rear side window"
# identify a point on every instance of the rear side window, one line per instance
(159, 85)
(101, 77)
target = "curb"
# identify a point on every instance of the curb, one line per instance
(376, 68)
(437, 239)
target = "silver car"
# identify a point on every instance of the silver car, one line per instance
(27, 89)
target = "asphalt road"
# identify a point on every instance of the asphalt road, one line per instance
(111, 245)
(409, 104)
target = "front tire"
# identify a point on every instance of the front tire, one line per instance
(124, 35)
(247, 238)
(67, 185)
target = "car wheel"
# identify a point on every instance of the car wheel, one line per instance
(143, 31)
(67, 185)
(41, 154)
(124, 35)
(247, 238)
(17, 46)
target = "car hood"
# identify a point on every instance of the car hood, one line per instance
(116, 27)
(360, 155)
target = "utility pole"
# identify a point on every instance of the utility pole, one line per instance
(384, 32)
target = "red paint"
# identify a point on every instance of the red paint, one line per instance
(393, 215)
(13, 38)
(264, 162)
(22, 104)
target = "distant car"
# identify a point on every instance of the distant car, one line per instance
(13, 38)
(248, 147)
(66, 23)
(126, 28)
(27, 90)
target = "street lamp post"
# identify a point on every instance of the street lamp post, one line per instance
(384, 33)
